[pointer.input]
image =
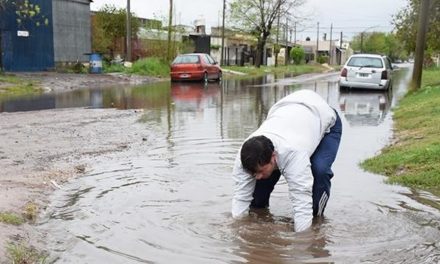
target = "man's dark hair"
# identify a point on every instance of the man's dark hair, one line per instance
(256, 151)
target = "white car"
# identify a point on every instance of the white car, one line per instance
(367, 71)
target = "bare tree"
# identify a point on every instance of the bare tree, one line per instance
(258, 17)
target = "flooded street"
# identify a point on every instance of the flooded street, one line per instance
(168, 200)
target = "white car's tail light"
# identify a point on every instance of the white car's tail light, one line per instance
(344, 72)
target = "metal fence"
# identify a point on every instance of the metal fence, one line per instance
(236, 56)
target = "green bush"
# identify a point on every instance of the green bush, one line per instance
(297, 54)
(78, 67)
(107, 67)
(323, 59)
(215, 47)
(151, 67)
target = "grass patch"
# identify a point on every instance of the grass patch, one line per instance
(107, 68)
(23, 254)
(414, 159)
(11, 219)
(252, 71)
(30, 211)
(7, 78)
(11, 86)
(154, 67)
(430, 77)
(150, 67)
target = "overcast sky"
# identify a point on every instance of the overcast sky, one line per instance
(349, 16)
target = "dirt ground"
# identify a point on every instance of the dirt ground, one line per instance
(58, 82)
(40, 150)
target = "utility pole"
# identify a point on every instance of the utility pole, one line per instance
(362, 42)
(286, 50)
(339, 59)
(330, 54)
(317, 44)
(128, 32)
(223, 34)
(277, 38)
(294, 37)
(170, 24)
(340, 42)
(420, 44)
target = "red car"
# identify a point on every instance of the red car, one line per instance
(195, 66)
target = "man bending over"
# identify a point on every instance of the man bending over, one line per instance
(299, 139)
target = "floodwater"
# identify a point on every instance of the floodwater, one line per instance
(170, 202)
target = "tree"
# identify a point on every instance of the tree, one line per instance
(25, 10)
(406, 21)
(373, 42)
(109, 27)
(258, 16)
(100, 40)
(379, 43)
(297, 54)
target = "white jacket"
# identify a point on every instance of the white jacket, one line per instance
(295, 125)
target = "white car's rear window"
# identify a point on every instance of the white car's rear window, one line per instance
(365, 62)
(186, 59)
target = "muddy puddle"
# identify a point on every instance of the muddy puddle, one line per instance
(169, 201)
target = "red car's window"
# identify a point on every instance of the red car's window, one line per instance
(186, 59)
(209, 59)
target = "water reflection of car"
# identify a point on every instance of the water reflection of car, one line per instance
(367, 71)
(365, 108)
(195, 67)
(193, 96)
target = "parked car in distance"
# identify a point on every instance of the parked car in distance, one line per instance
(195, 66)
(367, 71)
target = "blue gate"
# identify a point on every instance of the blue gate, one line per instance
(27, 46)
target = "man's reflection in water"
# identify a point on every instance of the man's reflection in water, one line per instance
(265, 238)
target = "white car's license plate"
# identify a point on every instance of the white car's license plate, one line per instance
(364, 75)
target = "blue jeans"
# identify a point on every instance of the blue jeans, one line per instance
(321, 163)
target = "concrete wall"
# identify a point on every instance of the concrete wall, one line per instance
(71, 30)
